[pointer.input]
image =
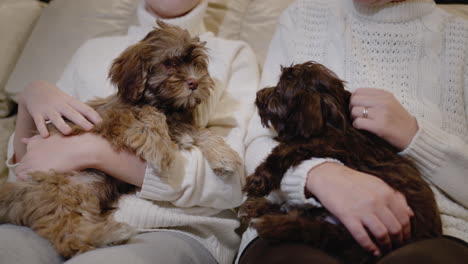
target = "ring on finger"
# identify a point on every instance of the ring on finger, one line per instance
(365, 112)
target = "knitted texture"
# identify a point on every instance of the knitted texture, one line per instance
(412, 49)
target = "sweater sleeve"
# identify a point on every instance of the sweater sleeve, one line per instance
(443, 157)
(228, 115)
(67, 79)
(259, 140)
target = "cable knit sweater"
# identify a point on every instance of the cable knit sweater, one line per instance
(412, 49)
(201, 205)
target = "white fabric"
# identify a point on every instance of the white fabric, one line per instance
(201, 205)
(412, 49)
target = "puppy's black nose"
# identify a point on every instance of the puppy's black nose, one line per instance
(192, 84)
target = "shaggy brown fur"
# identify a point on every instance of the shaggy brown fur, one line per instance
(309, 110)
(160, 80)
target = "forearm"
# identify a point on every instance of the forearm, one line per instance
(24, 129)
(123, 165)
(314, 176)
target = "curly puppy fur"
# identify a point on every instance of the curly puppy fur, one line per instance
(160, 80)
(309, 111)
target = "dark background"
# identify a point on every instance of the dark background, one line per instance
(465, 2)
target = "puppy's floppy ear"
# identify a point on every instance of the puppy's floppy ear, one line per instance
(335, 109)
(269, 106)
(161, 24)
(197, 40)
(308, 117)
(129, 73)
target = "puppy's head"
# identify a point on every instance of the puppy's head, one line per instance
(167, 69)
(308, 98)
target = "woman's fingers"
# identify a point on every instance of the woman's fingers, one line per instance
(358, 112)
(366, 124)
(39, 121)
(369, 91)
(394, 227)
(379, 231)
(59, 123)
(361, 236)
(30, 139)
(403, 214)
(86, 110)
(77, 118)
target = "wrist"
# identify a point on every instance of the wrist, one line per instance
(24, 129)
(412, 131)
(120, 164)
(90, 151)
(316, 175)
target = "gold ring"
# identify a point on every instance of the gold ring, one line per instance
(365, 112)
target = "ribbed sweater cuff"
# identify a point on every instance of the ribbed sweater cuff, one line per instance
(155, 187)
(11, 165)
(427, 148)
(294, 182)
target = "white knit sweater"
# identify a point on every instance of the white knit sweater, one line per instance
(412, 49)
(201, 205)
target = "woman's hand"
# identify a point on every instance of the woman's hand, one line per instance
(364, 204)
(74, 153)
(59, 153)
(45, 102)
(386, 117)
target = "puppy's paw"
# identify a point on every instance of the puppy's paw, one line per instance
(255, 207)
(122, 235)
(185, 142)
(227, 164)
(258, 184)
(115, 234)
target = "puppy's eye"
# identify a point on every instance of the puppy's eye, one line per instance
(170, 63)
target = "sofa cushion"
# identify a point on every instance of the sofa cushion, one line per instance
(62, 27)
(17, 18)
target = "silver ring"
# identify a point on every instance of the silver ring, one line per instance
(365, 112)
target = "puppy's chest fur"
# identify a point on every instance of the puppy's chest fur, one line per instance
(122, 121)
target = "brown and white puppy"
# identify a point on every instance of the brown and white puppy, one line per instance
(161, 80)
(309, 111)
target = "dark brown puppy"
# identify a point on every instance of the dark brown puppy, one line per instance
(161, 80)
(309, 111)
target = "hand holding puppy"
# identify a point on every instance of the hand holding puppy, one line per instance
(385, 116)
(364, 204)
(45, 102)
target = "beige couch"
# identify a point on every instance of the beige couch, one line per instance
(39, 39)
